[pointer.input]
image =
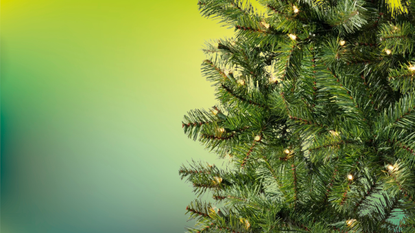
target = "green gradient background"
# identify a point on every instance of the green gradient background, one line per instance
(92, 98)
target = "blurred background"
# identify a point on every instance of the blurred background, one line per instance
(92, 98)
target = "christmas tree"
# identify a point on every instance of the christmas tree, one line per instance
(316, 115)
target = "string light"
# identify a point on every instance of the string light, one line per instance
(388, 51)
(273, 79)
(266, 25)
(334, 133)
(295, 9)
(342, 42)
(257, 138)
(287, 151)
(350, 177)
(241, 82)
(292, 36)
(222, 130)
(390, 167)
(411, 68)
(247, 225)
(215, 112)
(217, 180)
(350, 222)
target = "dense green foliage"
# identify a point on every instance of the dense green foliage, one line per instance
(316, 114)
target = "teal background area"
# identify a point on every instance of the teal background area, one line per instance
(92, 98)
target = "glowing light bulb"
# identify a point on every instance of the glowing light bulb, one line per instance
(222, 130)
(217, 180)
(390, 168)
(215, 112)
(257, 138)
(295, 9)
(388, 51)
(342, 42)
(411, 68)
(350, 177)
(334, 133)
(266, 25)
(292, 36)
(350, 222)
(287, 151)
(273, 79)
(241, 82)
(247, 225)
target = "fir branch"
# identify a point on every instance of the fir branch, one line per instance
(241, 98)
(401, 145)
(297, 224)
(330, 185)
(364, 62)
(210, 63)
(248, 154)
(401, 76)
(308, 122)
(295, 184)
(273, 173)
(345, 20)
(366, 44)
(198, 209)
(207, 228)
(334, 144)
(218, 198)
(194, 124)
(285, 103)
(388, 211)
(214, 137)
(285, 15)
(288, 61)
(345, 193)
(393, 37)
(368, 193)
(197, 212)
(250, 29)
(403, 190)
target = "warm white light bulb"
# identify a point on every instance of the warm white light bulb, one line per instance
(390, 168)
(388, 51)
(350, 177)
(215, 112)
(411, 68)
(334, 133)
(292, 36)
(247, 225)
(257, 138)
(342, 42)
(295, 9)
(266, 25)
(241, 82)
(217, 180)
(221, 130)
(287, 151)
(350, 222)
(273, 79)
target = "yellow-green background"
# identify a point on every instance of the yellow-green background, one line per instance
(92, 98)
